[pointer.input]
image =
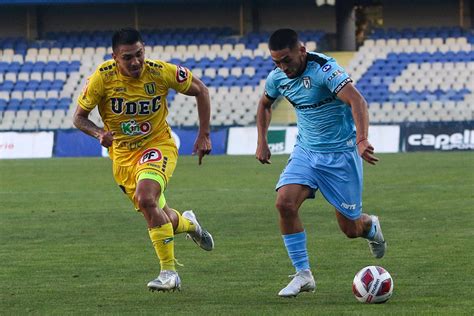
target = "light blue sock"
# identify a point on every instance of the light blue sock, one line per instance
(296, 246)
(371, 234)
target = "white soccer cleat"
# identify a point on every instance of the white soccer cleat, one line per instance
(378, 245)
(201, 236)
(167, 281)
(303, 281)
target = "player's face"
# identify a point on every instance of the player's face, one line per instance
(290, 61)
(130, 59)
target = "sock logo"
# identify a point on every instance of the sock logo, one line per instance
(167, 240)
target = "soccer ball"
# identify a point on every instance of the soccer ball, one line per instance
(372, 284)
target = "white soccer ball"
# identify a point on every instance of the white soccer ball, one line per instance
(372, 284)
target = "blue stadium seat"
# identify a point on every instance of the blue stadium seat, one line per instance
(64, 103)
(26, 104)
(3, 106)
(7, 85)
(14, 104)
(51, 104)
(33, 85)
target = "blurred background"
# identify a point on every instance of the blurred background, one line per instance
(411, 59)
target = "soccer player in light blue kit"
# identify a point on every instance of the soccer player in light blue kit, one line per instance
(332, 121)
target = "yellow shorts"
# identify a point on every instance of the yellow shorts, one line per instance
(157, 158)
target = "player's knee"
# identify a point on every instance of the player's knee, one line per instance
(146, 202)
(286, 208)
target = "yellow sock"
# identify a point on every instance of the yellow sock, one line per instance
(184, 225)
(163, 241)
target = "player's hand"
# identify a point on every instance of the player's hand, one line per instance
(202, 146)
(106, 138)
(366, 151)
(263, 153)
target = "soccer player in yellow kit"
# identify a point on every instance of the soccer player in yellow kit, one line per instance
(130, 93)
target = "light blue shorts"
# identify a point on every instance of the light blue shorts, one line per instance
(337, 175)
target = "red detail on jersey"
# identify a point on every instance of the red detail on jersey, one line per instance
(150, 155)
(181, 74)
(145, 127)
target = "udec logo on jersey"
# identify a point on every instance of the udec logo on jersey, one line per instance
(133, 128)
(151, 155)
(150, 88)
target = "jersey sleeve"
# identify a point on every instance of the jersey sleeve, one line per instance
(334, 76)
(271, 90)
(177, 77)
(92, 92)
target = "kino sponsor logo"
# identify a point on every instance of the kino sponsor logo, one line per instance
(133, 128)
(463, 140)
(276, 140)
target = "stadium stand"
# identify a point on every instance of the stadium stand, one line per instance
(44, 78)
(423, 74)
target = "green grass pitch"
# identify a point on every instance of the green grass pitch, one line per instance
(72, 244)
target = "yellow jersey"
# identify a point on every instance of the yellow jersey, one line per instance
(134, 108)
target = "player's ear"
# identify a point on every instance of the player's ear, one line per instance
(302, 48)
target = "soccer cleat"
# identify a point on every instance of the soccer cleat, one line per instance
(167, 281)
(303, 281)
(378, 245)
(200, 236)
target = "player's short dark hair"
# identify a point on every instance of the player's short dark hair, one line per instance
(126, 36)
(283, 38)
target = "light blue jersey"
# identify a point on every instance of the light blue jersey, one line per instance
(325, 123)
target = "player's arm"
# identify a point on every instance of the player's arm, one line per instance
(351, 96)
(202, 145)
(264, 116)
(81, 121)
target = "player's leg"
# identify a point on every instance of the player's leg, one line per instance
(153, 170)
(289, 199)
(160, 230)
(288, 202)
(147, 195)
(294, 187)
(189, 224)
(340, 180)
(354, 228)
(366, 226)
(142, 184)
